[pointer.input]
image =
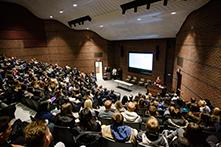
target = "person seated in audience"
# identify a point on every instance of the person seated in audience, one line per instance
(174, 119)
(88, 95)
(66, 115)
(129, 115)
(88, 121)
(152, 136)
(194, 114)
(112, 96)
(158, 81)
(152, 111)
(5, 131)
(119, 107)
(44, 112)
(37, 134)
(216, 116)
(107, 113)
(88, 104)
(203, 106)
(192, 136)
(118, 131)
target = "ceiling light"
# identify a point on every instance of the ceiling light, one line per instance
(61, 11)
(138, 19)
(173, 13)
(101, 26)
(75, 5)
(87, 28)
(51, 16)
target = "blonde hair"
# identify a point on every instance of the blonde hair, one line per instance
(88, 104)
(152, 124)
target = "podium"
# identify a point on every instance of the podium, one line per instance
(156, 89)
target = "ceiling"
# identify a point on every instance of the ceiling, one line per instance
(108, 20)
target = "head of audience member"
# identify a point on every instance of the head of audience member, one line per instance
(152, 110)
(152, 128)
(131, 107)
(174, 112)
(88, 104)
(118, 106)
(216, 111)
(5, 128)
(201, 103)
(108, 104)
(117, 119)
(66, 109)
(124, 100)
(87, 121)
(37, 134)
(141, 103)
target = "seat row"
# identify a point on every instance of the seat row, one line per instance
(141, 81)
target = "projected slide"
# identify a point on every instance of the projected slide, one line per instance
(140, 61)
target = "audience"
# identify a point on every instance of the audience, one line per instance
(43, 87)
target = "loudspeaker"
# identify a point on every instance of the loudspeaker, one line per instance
(157, 50)
(122, 51)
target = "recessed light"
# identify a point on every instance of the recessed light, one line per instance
(75, 5)
(173, 13)
(101, 26)
(61, 11)
(87, 28)
(138, 19)
(51, 16)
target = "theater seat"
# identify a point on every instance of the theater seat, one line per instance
(128, 78)
(141, 82)
(111, 143)
(134, 80)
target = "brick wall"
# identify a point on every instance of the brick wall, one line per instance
(198, 49)
(25, 36)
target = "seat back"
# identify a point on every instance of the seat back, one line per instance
(133, 125)
(112, 143)
(105, 121)
(65, 135)
(128, 78)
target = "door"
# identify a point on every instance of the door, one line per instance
(179, 81)
(99, 69)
